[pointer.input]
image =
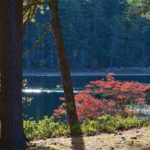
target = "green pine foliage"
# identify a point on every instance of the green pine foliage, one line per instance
(98, 34)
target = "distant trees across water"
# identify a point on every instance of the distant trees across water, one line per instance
(98, 34)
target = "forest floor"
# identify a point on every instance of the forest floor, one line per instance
(133, 139)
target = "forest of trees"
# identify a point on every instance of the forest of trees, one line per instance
(98, 34)
(12, 24)
(93, 37)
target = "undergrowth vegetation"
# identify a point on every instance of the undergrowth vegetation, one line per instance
(106, 105)
(49, 127)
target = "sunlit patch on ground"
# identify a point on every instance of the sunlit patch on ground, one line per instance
(135, 139)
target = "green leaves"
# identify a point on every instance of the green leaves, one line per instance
(139, 7)
(48, 127)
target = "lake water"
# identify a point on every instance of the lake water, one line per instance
(45, 91)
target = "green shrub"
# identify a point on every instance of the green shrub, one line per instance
(108, 123)
(61, 130)
(131, 122)
(30, 129)
(90, 127)
(45, 128)
(48, 127)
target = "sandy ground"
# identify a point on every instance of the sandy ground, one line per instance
(135, 139)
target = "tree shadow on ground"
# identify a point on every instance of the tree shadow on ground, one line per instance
(77, 143)
(77, 140)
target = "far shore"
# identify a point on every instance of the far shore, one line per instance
(135, 71)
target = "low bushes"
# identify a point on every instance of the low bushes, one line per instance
(48, 127)
(45, 128)
(108, 123)
(103, 106)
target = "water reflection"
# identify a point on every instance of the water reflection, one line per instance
(40, 90)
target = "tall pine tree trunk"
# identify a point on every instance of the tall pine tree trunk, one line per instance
(64, 69)
(12, 136)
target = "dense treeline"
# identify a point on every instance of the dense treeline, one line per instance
(98, 34)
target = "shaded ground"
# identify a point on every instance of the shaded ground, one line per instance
(135, 139)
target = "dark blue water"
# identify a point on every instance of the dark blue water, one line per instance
(44, 103)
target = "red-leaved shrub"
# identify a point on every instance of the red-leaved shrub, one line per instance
(107, 96)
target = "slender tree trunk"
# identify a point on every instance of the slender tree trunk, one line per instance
(12, 136)
(64, 68)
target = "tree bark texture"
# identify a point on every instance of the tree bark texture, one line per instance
(12, 136)
(64, 69)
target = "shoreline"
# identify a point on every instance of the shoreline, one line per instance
(101, 72)
(83, 74)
